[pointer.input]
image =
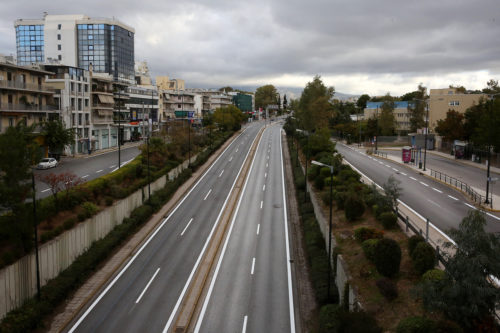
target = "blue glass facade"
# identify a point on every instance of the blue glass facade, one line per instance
(29, 44)
(109, 48)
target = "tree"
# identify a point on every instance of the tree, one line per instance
(226, 89)
(265, 95)
(466, 294)
(18, 152)
(315, 108)
(361, 102)
(285, 103)
(460, 89)
(59, 182)
(492, 87)
(229, 117)
(392, 190)
(57, 136)
(417, 109)
(387, 122)
(452, 127)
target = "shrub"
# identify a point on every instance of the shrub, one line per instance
(412, 243)
(387, 288)
(375, 210)
(324, 172)
(329, 318)
(108, 200)
(433, 275)
(333, 318)
(300, 183)
(306, 208)
(415, 325)
(340, 199)
(354, 206)
(141, 213)
(447, 326)
(69, 223)
(89, 209)
(364, 233)
(424, 257)
(319, 183)
(81, 216)
(387, 257)
(370, 200)
(325, 197)
(368, 247)
(388, 220)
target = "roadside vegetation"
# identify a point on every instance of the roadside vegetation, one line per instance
(397, 278)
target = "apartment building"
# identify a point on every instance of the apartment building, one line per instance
(401, 113)
(142, 107)
(72, 97)
(25, 96)
(442, 100)
(78, 41)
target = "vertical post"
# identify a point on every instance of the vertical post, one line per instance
(36, 237)
(376, 132)
(305, 175)
(119, 123)
(149, 181)
(489, 155)
(425, 137)
(407, 223)
(189, 142)
(427, 230)
(330, 234)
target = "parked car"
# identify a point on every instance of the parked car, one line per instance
(47, 163)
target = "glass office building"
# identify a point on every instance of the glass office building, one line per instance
(109, 48)
(29, 44)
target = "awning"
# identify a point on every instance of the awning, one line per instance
(106, 99)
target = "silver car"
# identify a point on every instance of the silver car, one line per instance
(47, 163)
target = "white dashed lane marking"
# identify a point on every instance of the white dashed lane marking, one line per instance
(453, 198)
(435, 189)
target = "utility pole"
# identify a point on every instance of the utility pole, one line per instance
(425, 137)
(376, 132)
(35, 225)
(119, 128)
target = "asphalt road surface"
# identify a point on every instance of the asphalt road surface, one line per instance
(442, 205)
(145, 294)
(470, 175)
(87, 168)
(252, 287)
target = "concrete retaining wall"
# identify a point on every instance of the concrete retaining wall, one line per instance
(18, 281)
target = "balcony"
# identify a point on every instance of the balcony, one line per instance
(27, 107)
(13, 85)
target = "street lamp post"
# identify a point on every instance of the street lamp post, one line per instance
(330, 224)
(426, 131)
(149, 180)
(35, 225)
(489, 150)
(307, 156)
(376, 132)
(119, 128)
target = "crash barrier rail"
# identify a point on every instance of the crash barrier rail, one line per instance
(478, 198)
(379, 153)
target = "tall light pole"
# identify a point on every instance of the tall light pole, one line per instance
(330, 224)
(35, 225)
(119, 128)
(307, 156)
(376, 131)
(492, 100)
(426, 131)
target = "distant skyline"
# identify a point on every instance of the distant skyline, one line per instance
(360, 46)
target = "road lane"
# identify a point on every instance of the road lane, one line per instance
(254, 258)
(175, 255)
(452, 204)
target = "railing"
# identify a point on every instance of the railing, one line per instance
(478, 198)
(26, 107)
(379, 153)
(23, 85)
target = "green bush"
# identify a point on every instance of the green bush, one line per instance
(89, 209)
(423, 257)
(354, 206)
(447, 326)
(340, 199)
(388, 220)
(81, 216)
(300, 183)
(369, 247)
(433, 275)
(412, 243)
(141, 213)
(387, 257)
(387, 288)
(329, 318)
(325, 196)
(306, 207)
(363, 233)
(108, 200)
(334, 319)
(319, 183)
(370, 200)
(415, 325)
(69, 223)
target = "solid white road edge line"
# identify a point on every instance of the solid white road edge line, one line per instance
(221, 257)
(147, 286)
(185, 228)
(101, 295)
(288, 267)
(195, 267)
(408, 207)
(221, 173)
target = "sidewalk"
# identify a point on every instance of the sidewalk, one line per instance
(93, 153)
(397, 159)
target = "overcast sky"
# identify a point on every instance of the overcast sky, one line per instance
(357, 46)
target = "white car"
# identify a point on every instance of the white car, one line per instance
(47, 163)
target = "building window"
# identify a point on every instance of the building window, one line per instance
(86, 103)
(58, 36)
(11, 121)
(79, 119)
(179, 106)
(59, 47)
(59, 27)
(59, 57)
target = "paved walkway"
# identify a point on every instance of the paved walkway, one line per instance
(398, 159)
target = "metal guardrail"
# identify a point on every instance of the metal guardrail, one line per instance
(464, 187)
(379, 153)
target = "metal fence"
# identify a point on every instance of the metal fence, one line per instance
(380, 153)
(478, 198)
